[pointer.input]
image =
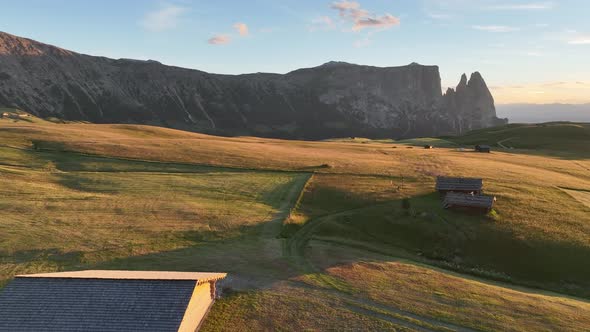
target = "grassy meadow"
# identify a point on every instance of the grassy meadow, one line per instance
(64, 211)
(341, 234)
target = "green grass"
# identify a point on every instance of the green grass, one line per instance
(435, 142)
(140, 197)
(510, 244)
(561, 138)
(291, 309)
(446, 297)
(63, 211)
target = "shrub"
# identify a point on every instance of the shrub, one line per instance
(406, 205)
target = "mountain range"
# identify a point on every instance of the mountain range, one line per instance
(335, 99)
(539, 113)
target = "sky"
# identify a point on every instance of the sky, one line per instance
(528, 51)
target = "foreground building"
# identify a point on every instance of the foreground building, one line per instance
(481, 203)
(100, 300)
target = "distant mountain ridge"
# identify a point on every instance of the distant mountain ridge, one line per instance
(333, 100)
(539, 113)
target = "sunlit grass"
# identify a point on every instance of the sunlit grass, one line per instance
(138, 197)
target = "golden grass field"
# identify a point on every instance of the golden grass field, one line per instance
(312, 234)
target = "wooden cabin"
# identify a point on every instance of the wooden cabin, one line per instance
(96, 300)
(483, 148)
(481, 203)
(446, 184)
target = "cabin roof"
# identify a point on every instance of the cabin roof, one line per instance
(131, 275)
(98, 301)
(460, 184)
(466, 200)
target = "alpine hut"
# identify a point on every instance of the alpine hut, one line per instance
(446, 184)
(483, 148)
(467, 201)
(99, 300)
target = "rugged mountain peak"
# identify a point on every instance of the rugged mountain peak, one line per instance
(476, 76)
(472, 104)
(462, 83)
(476, 80)
(344, 100)
(18, 46)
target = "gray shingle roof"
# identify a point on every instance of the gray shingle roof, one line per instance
(466, 200)
(67, 304)
(458, 184)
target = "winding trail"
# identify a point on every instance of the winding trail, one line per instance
(501, 143)
(294, 250)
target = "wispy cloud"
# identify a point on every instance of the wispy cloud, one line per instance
(542, 92)
(219, 40)
(439, 16)
(572, 37)
(523, 6)
(322, 23)
(362, 18)
(344, 7)
(242, 29)
(226, 38)
(386, 21)
(495, 28)
(580, 40)
(323, 20)
(165, 18)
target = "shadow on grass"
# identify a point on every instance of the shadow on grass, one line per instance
(468, 243)
(52, 255)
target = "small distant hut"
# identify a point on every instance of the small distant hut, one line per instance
(446, 184)
(480, 203)
(483, 148)
(428, 147)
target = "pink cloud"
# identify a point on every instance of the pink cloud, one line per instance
(344, 6)
(384, 22)
(242, 29)
(362, 18)
(219, 40)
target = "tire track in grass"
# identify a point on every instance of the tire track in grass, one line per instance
(294, 250)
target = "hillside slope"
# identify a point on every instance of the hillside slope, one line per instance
(90, 196)
(333, 100)
(563, 138)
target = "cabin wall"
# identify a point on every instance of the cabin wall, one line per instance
(474, 192)
(468, 209)
(201, 301)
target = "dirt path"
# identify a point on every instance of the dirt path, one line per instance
(273, 227)
(294, 250)
(500, 143)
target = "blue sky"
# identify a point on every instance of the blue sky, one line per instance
(528, 51)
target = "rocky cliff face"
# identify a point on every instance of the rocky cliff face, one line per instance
(335, 99)
(471, 105)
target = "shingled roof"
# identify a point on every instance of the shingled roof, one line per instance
(444, 183)
(102, 301)
(471, 201)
